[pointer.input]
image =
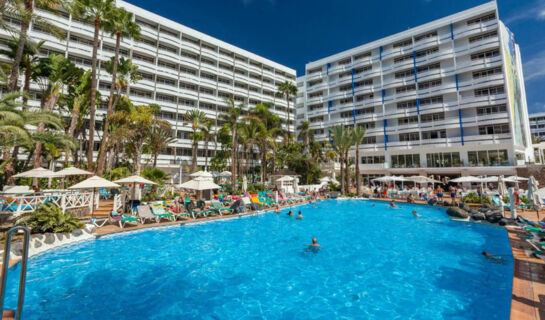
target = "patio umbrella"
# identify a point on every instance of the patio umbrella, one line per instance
(37, 173)
(203, 174)
(467, 179)
(501, 191)
(199, 184)
(285, 178)
(94, 183)
(384, 179)
(244, 184)
(134, 180)
(72, 171)
(225, 174)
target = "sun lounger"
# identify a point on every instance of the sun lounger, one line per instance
(159, 211)
(217, 207)
(99, 222)
(122, 219)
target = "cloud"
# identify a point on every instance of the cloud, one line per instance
(534, 11)
(534, 68)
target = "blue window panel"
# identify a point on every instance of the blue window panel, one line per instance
(461, 125)
(451, 31)
(383, 95)
(417, 106)
(329, 105)
(414, 65)
(380, 53)
(354, 115)
(385, 135)
(456, 79)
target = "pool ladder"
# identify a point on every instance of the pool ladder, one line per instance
(8, 314)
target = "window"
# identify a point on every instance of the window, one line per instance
(487, 158)
(423, 53)
(410, 136)
(431, 100)
(432, 117)
(432, 34)
(369, 140)
(362, 69)
(404, 74)
(363, 83)
(494, 129)
(188, 86)
(168, 65)
(404, 43)
(169, 32)
(410, 87)
(362, 56)
(364, 97)
(429, 84)
(166, 81)
(372, 160)
(345, 61)
(142, 57)
(489, 91)
(437, 134)
(167, 98)
(367, 125)
(407, 120)
(429, 67)
(487, 73)
(406, 161)
(485, 54)
(143, 94)
(168, 48)
(488, 17)
(406, 104)
(443, 159)
(403, 58)
(189, 55)
(481, 111)
(483, 36)
(315, 107)
(188, 71)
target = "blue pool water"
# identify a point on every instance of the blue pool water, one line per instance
(376, 263)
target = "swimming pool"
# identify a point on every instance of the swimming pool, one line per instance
(376, 263)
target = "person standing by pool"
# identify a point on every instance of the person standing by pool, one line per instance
(439, 193)
(453, 195)
(299, 215)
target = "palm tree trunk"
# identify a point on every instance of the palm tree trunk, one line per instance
(155, 154)
(234, 157)
(288, 110)
(342, 173)
(137, 157)
(194, 159)
(14, 75)
(263, 166)
(358, 182)
(206, 152)
(92, 107)
(347, 169)
(47, 105)
(106, 122)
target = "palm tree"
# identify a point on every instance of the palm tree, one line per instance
(306, 134)
(120, 24)
(248, 133)
(341, 142)
(196, 118)
(232, 117)
(159, 138)
(287, 89)
(26, 12)
(207, 130)
(53, 74)
(358, 134)
(96, 12)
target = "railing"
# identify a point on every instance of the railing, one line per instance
(18, 204)
(5, 267)
(119, 202)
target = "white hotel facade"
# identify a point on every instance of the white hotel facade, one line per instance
(443, 98)
(181, 69)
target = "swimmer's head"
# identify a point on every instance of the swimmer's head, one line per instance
(314, 240)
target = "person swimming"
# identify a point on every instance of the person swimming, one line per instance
(314, 243)
(290, 213)
(393, 204)
(277, 210)
(299, 215)
(415, 213)
(491, 257)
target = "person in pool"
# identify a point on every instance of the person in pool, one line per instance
(393, 204)
(299, 215)
(491, 257)
(290, 213)
(277, 210)
(314, 243)
(415, 213)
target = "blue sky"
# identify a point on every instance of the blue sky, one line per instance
(294, 32)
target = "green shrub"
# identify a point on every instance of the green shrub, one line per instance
(350, 194)
(524, 200)
(256, 187)
(156, 175)
(474, 198)
(48, 217)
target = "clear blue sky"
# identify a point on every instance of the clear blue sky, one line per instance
(294, 32)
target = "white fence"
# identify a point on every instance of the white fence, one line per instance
(18, 204)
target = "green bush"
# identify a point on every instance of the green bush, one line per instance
(256, 187)
(156, 175)
(48, 217)
(474, 198)
(524, 200)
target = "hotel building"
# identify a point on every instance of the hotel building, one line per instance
(537, 125)
(181, 69)
(444, 98)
